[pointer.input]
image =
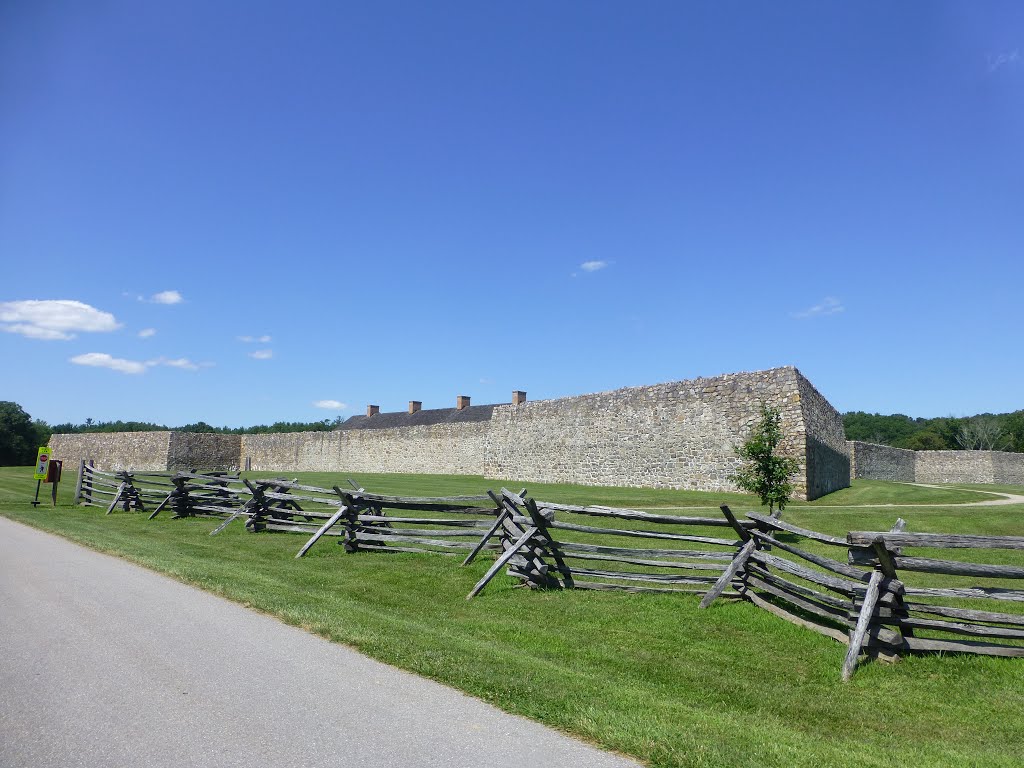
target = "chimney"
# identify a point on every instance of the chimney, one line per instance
(462, 401)
(415, 405)
(372, 410)
(518, 397)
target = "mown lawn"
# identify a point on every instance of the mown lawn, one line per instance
(647, 675)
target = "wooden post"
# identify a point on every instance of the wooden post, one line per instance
(487, 536)
(738, 562)
(508, 555)
(541, 518)
(863, 621)
(117, 498)
(726, 578)
(324, 528)
(238, 513)
(88, 490)
(78, 485)
(886, 571)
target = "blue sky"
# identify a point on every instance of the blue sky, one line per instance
(285, 211)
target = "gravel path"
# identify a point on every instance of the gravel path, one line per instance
(103, 663)
(1003, 499)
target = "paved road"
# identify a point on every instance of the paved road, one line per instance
(103, 663)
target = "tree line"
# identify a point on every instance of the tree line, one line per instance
(21, 435)
(984, 432)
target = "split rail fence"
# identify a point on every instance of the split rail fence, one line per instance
(877, 598)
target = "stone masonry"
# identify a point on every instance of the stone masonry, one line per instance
(148, 451)
(883, 462)
(675, 435)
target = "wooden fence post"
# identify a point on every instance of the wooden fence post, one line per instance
(886, 572)
(738, 562)
(78, 485)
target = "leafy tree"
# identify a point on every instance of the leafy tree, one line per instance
(982, 433)
(766, 473)
(17, 436)
(924, 441)
(1014, 426)
(42, 431)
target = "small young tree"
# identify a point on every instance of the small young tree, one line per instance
(766, 473)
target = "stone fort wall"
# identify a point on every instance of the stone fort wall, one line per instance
(456, 449)
(676, 435)
(113, 451)
(883, 462)
(148, 451)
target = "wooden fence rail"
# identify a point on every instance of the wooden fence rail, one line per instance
(862, 600)
(542, 547)
(863, 589)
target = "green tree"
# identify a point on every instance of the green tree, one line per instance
(765, 472)
(924, 441)
(17, 436)
(1015, 430)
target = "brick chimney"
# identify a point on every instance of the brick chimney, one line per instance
(415, 405)
(518, 397)
(372, 410)
(462, 401)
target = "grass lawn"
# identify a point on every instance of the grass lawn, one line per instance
(647, 675)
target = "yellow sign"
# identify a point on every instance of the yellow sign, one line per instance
(42, 459)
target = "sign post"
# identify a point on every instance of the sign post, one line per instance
(53, 476)
(42, 466)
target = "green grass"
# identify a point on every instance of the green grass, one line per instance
(878, 492)
(647, 675)
(860, 493)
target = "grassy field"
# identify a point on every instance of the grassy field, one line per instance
(647, 675)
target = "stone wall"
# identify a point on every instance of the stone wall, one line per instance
(827, 454)
(953, 467)
(677, 435)
(113, 451)
(1008, 468)
(882, 462)
(456, 449)
(193, 450)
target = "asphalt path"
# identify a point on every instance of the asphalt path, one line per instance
(103, 663)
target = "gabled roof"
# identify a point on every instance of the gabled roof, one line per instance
(428, 417)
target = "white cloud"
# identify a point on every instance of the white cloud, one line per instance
(830, 305)
(265, 339)
(330, 405)
(53, 319)
(145, 333)
(262, 354)
(182, 363)
(593, 266)
(167, 297)
(103, 360)
(1008, 59)
(178, 362)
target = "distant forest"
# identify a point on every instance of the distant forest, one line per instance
(200, 426)
(21, 435)
(985, 432)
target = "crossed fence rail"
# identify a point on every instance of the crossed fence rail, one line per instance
(880, 600)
